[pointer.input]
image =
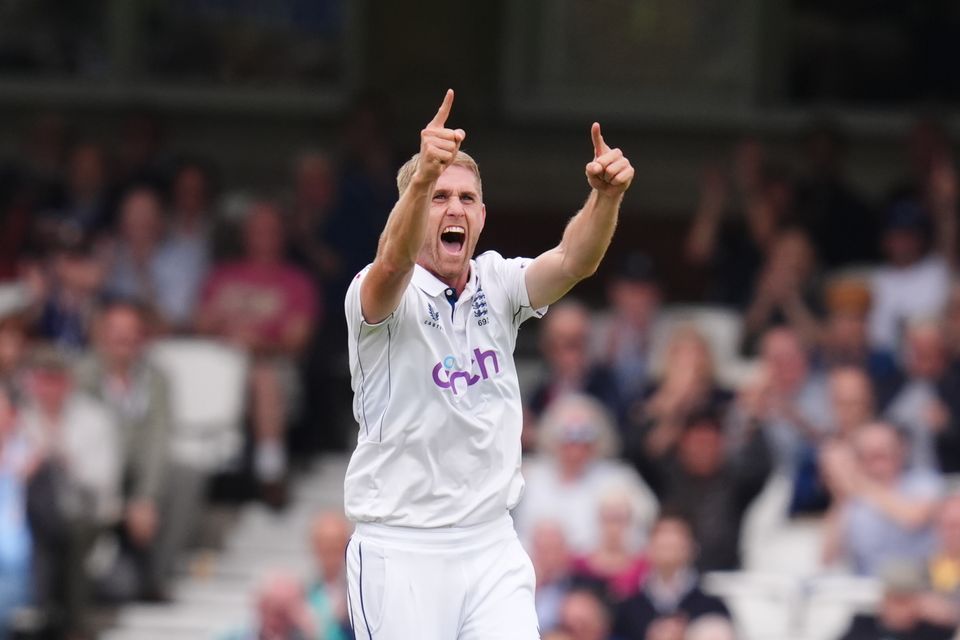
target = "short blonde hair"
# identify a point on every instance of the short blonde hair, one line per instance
(463, 159)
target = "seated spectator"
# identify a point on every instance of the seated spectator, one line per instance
(688, 386)
(624, 340)
(17, 465)
(584, 616)
(73, 281)
(75, 494)
(565, 483)
(553, 566)
(843, 337)
(914, 282)
(951, 322)
(786, 292)
(881, 512)
(83, 206)
(788, 398)
(142, 265)
(921, 403)
(616, 561)
(268, 308)
(670, 597)
(327, 596)
(564, 343)
(192, 197)
(944, 564)
(710, 627)
(282, 612)
(901, 614)
(119, 375)
(852, 406)
(703, 479)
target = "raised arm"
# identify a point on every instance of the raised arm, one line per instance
(588, 234)
(403, 236)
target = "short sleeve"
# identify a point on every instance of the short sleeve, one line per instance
(513, 279)
(353, 311)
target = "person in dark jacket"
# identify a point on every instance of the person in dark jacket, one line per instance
(697, 476)
(671, 592)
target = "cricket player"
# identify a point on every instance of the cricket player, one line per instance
(432, 330)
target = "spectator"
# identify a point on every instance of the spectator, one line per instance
(922, 402)
(585, 616)
(852, 406)
(944, 564)
(731, 245)
(788, 398)
(843, 338)
(564, 343)
(329, 535)
(785, 291)
(625, 339)
(75, 276)
(901, 613)
(699, 476)
(282, 612)
(119, 375)
(671, 596)
(83, 207)
(143, 266)
(841, 226)
(268, 308)
(881, 512)
(913, 282)
(192, 204)
(75, 494)
(615, 562)
(553, 566)
(688, 386)
(565, 483)
(17, 464)
(317, 230)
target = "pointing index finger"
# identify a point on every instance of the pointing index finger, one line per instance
(599, 146)
(443, 112)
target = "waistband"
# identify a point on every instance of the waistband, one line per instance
(439, 538)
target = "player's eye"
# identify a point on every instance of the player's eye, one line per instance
(466, 198)
(439, 197)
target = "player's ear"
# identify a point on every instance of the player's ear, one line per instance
(483, 215)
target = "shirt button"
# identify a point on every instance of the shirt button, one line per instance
(449, 293)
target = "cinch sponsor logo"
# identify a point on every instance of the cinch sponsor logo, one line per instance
(447, 372)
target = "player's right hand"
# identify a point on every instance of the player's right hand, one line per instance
(438, 144)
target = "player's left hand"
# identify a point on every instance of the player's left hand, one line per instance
(610, 173)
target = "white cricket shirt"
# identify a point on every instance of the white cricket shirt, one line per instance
(437, 400)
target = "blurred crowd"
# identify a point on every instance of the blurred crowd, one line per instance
(649, 439)
(110, 251)
(649, 435)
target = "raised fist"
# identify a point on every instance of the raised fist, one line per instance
(610, 173)
(438, 144)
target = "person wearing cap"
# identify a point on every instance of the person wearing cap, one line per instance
(914, 281)
(574, 470)
(76, 493)
(901, 614)
(623, 340)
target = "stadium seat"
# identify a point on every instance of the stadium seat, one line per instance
(208, 388)
(763, 605)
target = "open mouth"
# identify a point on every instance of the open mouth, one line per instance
(452, 238)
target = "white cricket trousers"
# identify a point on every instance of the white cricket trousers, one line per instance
(461, 583)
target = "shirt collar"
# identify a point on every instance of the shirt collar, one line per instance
(433, 286)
